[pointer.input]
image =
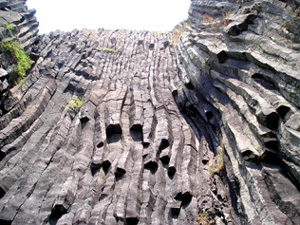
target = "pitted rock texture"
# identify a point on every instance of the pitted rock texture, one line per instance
(239, 70)
(127, 156)
(24, 29)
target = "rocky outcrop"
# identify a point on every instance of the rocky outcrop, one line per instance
(17, 22)
(120, 127)
(240, 83)
(125, 156)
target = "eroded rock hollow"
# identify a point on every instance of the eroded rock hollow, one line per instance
(137, 127)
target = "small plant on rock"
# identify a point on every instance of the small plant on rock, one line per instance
(217, 163)
(75, 103)
(202, 219)
(9, 27)
(17, 51)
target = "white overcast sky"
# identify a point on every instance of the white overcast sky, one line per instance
(66, 15)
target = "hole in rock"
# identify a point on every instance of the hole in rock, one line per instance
(165, 160)
(273, 144)
(132, 220)
(271, 157)
(249, 156)
(175, 212)
(166, 44)
(186, 199)
(282, 110)
(136, 132)
(84, 121)
(178, 197)
(5, 222)
(2, 155)
(105, 165)
(152, 166)
(95, 168)
(264, 81)
(163, 144)
(100, 145)
(209, 115)
(151, 47)
(119, 173)
(222, 56)
(171, 172)
(205, 161)
(56, 214)
(2, 192)
(113, 133)
(140, 42)
(146, 144)
(271, 121)
(191, 110)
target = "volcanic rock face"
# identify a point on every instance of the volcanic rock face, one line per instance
(126, 156)
(119, 127)
(239, 70)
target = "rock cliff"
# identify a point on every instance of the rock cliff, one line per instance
(131, 127)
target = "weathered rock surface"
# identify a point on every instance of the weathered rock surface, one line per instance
(210, 129)
(25, 29)
(239, 71)
(126, 156)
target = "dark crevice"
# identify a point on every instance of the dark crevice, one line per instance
(175, 212)
(136, 132)
(186, 199)
(264, 81)
(163, 144)
(165, 160)
(84, 121)
(151, 47)
(2, 192)
(270, 121)
(2, 155)
(222, 56)
(171, 172)
(119, 173)
(146, 144)
(105, 165)
(132, 220)
(100, 144)
(152, 166)
(282, 110)
(113, 133)
(95, 168)
(5, 222)
(56, 214)
(209, 115)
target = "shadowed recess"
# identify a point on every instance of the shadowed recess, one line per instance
(56, 214)
(113, 133)
(136, 132)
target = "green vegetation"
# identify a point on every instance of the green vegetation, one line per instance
(17, 51)
(9, 27)
(202, 219)
(75, 103)
(217, 163)
(107, 50)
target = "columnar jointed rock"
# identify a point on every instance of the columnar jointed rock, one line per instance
(239, 69)
(126, 156)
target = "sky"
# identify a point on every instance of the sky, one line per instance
(66, 15)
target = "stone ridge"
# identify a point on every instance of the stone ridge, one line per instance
(126, 156)
(239, 69)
